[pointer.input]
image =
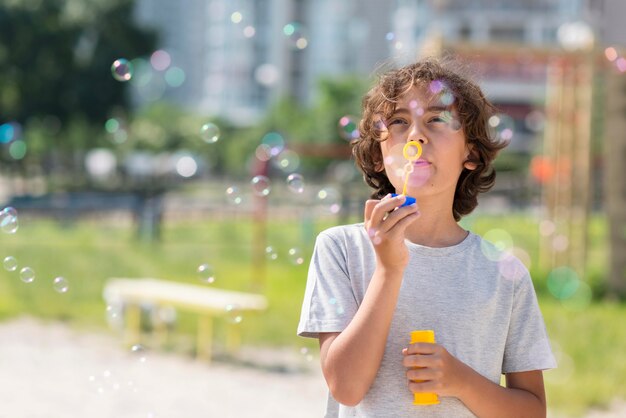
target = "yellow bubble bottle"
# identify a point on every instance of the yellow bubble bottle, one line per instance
(424, 336)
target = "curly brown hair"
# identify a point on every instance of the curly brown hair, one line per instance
(472, 107)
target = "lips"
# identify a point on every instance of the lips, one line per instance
(421, 163)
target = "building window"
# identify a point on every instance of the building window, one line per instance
(507, 33)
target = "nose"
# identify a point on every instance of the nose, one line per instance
(416, 135)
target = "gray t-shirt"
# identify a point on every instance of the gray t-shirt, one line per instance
(481, 304)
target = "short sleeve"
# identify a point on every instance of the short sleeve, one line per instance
(527, 346)
(329, 302)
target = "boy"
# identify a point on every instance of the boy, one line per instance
(410, 267)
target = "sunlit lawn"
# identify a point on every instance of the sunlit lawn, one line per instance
(589, 341)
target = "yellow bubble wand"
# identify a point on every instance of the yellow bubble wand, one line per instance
(412, 151)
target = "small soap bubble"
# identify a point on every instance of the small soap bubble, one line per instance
(295, 182)
(348, 127)
(139, 351)
(502, 127)
(122, 69)
(495, 242)
(206, 273)
(267, 75)
(563, 282)
(236, 17)
(288, 161)
(9, 263)
(271, 253)
(295, 256)
(330, 199)
(160, 60)
(610, 53)
(304, 351)
(249, 31)
(263, 152)
(295, 34)
(210, 133)
(233, 314)
(60, 284)
(274, 141)
(8, 220)
(233, 195)
(535, 121)
(381, 128)
(27, 275)
(261, 185)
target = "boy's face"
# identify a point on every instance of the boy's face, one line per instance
(425, 114)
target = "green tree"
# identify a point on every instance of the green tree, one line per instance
(55, 76)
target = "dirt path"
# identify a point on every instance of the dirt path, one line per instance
(51, 371)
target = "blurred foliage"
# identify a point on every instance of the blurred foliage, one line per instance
(55, 77)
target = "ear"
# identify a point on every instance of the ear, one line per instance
(470, 157)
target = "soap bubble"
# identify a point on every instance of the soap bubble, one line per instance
(495, 243)
(160, 60)
(295, 182)
(295, 256)
(233, 195)
(8, 220)
(295, 33)
(271, 253)
(261, 185)
(122, 69)
(563, 282)
(288, 161)
(60, 284)
(233, 314)
(10, 263)
(274, 141)
(330, 199)
(27, 275)
(502, 127)
(348, 127)
(210, 133)
(206, 273)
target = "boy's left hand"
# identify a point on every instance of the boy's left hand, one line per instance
(440, 371)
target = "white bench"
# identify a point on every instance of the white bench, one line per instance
(207, 302)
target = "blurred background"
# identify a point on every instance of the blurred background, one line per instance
(206, 142)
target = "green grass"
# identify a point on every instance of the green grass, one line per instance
(588, 339)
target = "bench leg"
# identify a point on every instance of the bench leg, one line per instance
(233, 338)
(205, 336)
(133, 324)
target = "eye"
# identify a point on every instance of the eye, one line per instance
(436, 119)
(396, 121)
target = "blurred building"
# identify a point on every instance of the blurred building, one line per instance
(238, 57)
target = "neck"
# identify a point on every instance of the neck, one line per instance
(435, 227)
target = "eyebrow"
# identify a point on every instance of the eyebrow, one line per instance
(434, 108)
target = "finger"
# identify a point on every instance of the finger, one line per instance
(423, 348)
(415, 360)
(383, 207)
(428, 386)
(369, 208)
(400, 219)
(423, 373)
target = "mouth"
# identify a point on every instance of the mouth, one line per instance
(421, 163)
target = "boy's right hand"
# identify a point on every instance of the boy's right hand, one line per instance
(386, 222)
